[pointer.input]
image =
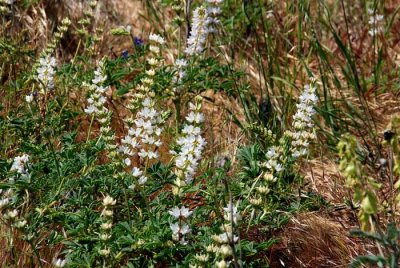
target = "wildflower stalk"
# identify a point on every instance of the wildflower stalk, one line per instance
(186, 159)
(204, 18)
(97, 109)
(145, 124)
(291, 147)
(191, 145)
(106, 225)
(224, 244)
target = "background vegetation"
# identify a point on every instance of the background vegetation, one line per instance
(284, 113)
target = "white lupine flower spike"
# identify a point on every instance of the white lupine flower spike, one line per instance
(303, 123)
(46, 72)
(199, 32)
(191, 145)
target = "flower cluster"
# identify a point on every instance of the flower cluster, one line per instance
(224, 245)
(180, 228)
(272, 167)
(180, 73)
(45, 73)
(303, 123)
(274, 160)
(199, 32)
(97, 106)
(145, 128)
(204, 18)
(191, 145)
(179, 7)
(93, 34)
(213, 11)
(59, 262)
(143, 137)
(96, 100)
(375, 22)
(5, 6)
(106, 225)
(10, 215)
(292, 145)
(58, 35)
(45, 67)
(144, 89)
(20, 164)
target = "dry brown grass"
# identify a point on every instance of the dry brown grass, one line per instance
(19, 254)
(313, 240)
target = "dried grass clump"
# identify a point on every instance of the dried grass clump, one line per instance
(312, 240)
(22, 255)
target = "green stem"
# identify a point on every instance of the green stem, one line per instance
(177, 103)
(127, 207)
(36, 254)
(53, 152)
(90, 128)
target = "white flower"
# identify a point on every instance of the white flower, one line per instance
(154, 49)
(222, 264)
(106, 225)
(29, 98)
(185, 229)
(107, 213)
(181, 63)
(104, 252)
(136, 172)
(191, 146)
(127, 161)
(97, 106)
(231, 213)
(278, 167)
(11, 214)
(109, 201)
(225, 250)
(375, 22)
(46, 71)
(303, 122)
(4, 202)
(99, 78)
(226, 238)
(145, 133)
(142, 180)
(20, 163)
(202, 257)
(20, 224)
(105, 237)
(175, 228)
(194, 117)
(157, 38)
(199, 31)
(180, 212)
(152, 61)
(59, 262)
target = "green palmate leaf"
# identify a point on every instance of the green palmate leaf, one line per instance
(371, 259)
(392, 233)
